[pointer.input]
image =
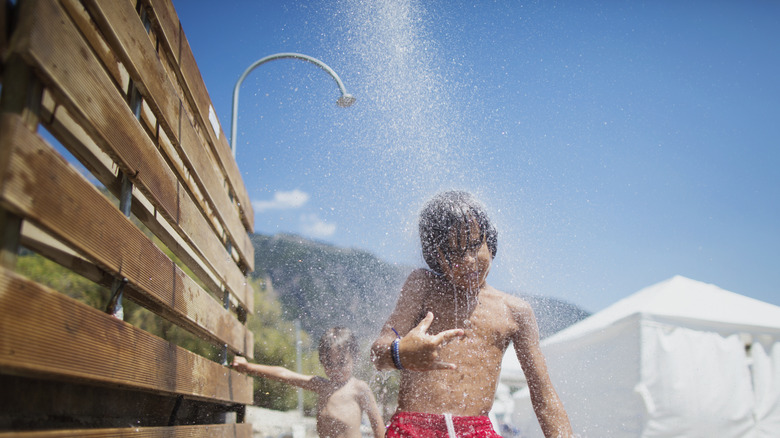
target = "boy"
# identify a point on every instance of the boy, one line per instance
(450, 329)
(342, 399)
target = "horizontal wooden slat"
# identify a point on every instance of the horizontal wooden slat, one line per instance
(212, 326)
(59, 122)
(175, 41)
(40, 185)
(168, 21)
(40, 324)
(97, 105)
(241, 430)
(36, 239)
(112, 65)
(120, 23)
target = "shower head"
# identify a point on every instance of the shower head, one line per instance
(346, 100)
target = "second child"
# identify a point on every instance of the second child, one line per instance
(341, 398)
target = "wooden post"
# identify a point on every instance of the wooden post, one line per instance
(21, 94)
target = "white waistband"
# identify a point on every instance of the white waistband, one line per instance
(450, 425)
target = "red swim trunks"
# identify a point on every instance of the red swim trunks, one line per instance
(418, 424)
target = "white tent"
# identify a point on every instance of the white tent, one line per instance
(680, 358)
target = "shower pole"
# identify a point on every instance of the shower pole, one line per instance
(344, 101)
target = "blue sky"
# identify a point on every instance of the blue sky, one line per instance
(615, 144)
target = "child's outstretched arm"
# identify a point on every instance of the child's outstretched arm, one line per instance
(416, 350)
(281, 374)
(547, 405)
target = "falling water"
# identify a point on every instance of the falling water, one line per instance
(407, 124)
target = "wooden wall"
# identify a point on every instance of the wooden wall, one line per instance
(113, 85)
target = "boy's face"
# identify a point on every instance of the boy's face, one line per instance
(338, 365)
(468, 264)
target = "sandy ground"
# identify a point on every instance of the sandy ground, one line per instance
(267, 423)
(279, 424)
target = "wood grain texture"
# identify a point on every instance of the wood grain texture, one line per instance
(173, 39)
(38, 184)
(241, 430)
(46, 334)
(121, 25)
(94, 102)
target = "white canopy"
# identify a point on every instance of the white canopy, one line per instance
(679, 358)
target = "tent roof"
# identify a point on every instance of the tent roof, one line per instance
(681, 298)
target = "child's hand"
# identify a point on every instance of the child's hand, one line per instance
(419, 351)
(239, 364)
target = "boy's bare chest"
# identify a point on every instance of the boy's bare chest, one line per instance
(340, 394)
(337, 401)
(484, 321)
(339, 412)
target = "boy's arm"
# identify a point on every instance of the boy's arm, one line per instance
(281, 374)
(547, 405)
(418, 350)
(368, 405)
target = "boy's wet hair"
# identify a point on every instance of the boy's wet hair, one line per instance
(340, 338)
(445, 212)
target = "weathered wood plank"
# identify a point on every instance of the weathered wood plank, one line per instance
(34, 403)
(99, 108)
(87, 27)
(212, 322)
(241, 430)
(175, 40)
(80, 144)
(43, 31)
(70, 134)
(39, 324)
(168, 21)
(120, 23)
(36, 239)
(40, 185)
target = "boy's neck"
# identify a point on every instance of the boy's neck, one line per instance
(472, 292)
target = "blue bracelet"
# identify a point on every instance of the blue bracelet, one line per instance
(396, 354)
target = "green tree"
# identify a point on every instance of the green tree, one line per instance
(275, 345)
(48, 273)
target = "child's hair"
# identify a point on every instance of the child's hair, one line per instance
(445, 212)
(341, 338)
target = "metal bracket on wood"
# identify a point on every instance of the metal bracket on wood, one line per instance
(10, 230)
(175, 412)
(135, 100)
(114, 306)
(226, 304)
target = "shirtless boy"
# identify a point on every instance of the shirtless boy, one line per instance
(342, 399)
(450, 329)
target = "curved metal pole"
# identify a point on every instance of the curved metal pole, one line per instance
(344, 101)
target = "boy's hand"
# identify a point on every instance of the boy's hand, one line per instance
(419, 351)
(239, 364)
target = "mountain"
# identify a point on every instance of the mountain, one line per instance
(553, 315)
(326, 285)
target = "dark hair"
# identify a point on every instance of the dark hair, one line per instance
(341, 338)
(445, 212)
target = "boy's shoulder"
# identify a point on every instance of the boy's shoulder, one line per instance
(357, 387)
(515, 303)
(422, 280)
(423, 274)
(358, 382)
